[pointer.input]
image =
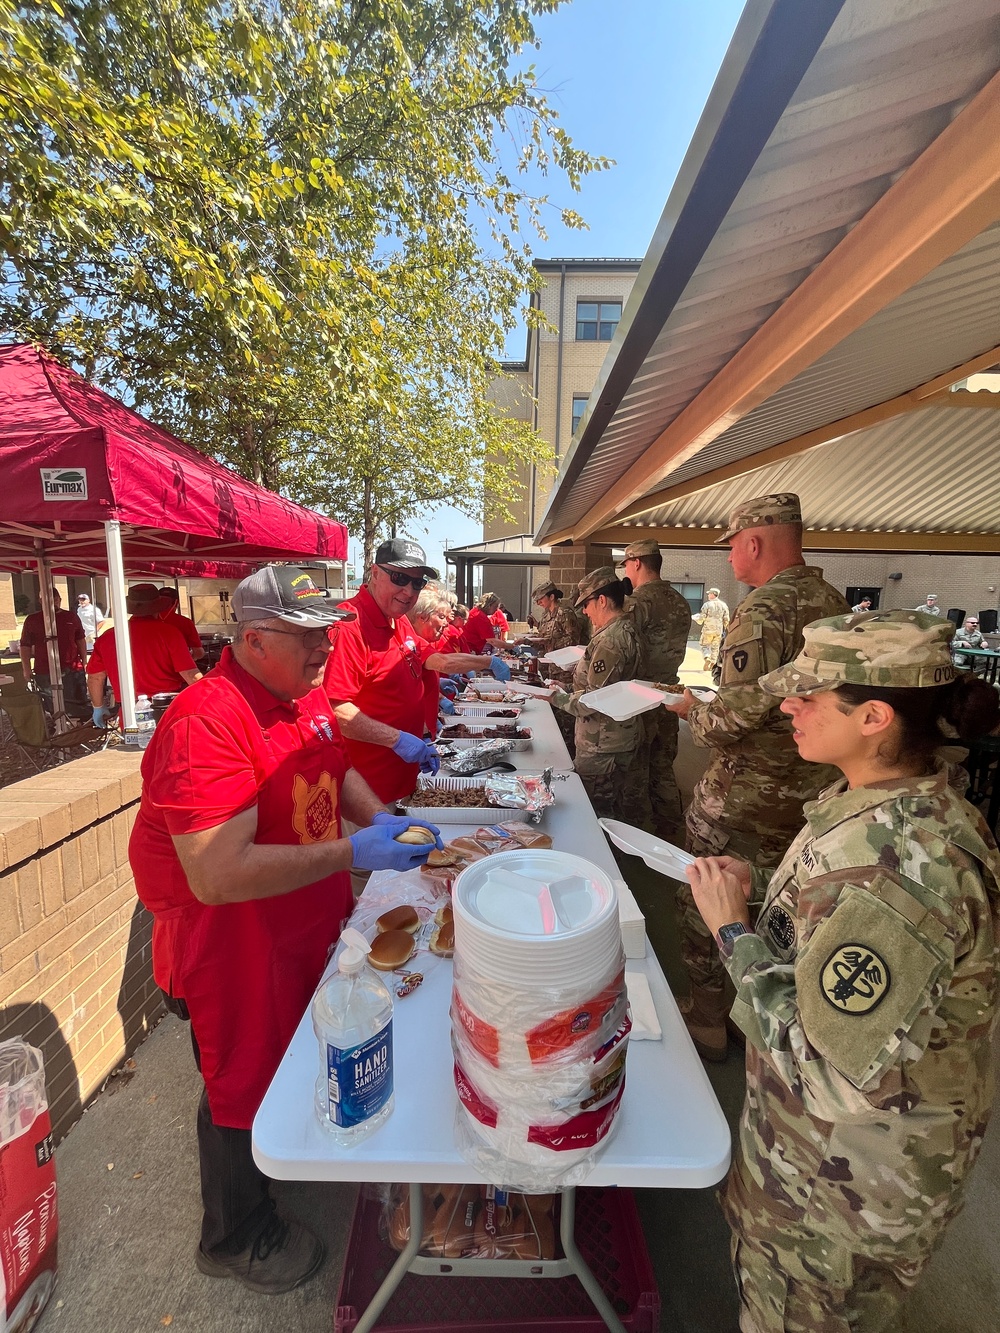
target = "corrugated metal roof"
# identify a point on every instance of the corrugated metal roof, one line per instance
(896, 477)
(889, 77)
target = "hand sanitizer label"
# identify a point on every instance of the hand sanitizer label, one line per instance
(359, 1079)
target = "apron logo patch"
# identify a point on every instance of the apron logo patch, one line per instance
(740, 659)
(781, 927)
(314, 808)
(854, 979)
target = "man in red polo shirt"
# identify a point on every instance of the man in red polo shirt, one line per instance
(170, 615)
(238, 852)
(375, 675)
(161, 660)
(72, 655)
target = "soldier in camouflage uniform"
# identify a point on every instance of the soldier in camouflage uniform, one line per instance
(749, 800)
(560, 627)
(868, 990)
(968, 636)
(714, 621)
(605, 749)
(662, 619)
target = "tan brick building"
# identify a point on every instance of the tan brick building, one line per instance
(581, 302)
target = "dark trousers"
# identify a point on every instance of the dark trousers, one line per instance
(235, 1193)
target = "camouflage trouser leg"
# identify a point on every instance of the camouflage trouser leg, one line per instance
(710, 644)
(781, 1289)
(606, 778)
(704, 838)
(667, 813)
(637, 803)
(567, 726)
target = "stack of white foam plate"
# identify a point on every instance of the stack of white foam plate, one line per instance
(538, 1015)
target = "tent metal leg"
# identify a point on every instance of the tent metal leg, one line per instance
(119, 612)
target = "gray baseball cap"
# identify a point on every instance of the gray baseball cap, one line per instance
(285, 592)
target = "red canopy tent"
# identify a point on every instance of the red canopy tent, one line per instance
(90, 486)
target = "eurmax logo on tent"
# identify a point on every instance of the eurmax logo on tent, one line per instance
(64, 483)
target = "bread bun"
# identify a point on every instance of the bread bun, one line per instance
(442, 940)
(399, 918)
(420, 837)
(391, 950)
(444, 856)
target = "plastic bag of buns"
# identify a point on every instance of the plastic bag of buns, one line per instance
(492, 838)
(477, 1222)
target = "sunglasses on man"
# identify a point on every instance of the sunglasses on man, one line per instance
(401, 580)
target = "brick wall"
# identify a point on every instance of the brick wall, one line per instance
(569, 563)
(75, 944)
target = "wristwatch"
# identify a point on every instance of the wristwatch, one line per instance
(727, 935)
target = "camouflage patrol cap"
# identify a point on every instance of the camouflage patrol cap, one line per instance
(763, 512)
(889, 649)
(595, 582)
(545, 590)
(635, 550)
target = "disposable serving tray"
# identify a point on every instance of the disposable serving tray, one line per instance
(461, 814)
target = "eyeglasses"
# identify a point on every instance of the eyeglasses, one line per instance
(402, 580)
(310, 638)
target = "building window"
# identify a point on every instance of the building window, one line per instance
(693, 594)
(580, 401)
(596, 321)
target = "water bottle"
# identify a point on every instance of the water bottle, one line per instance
(145, 722)
(352, 1019)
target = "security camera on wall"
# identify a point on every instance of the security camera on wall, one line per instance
(895, 577)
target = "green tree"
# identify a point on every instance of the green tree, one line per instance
(254, 217)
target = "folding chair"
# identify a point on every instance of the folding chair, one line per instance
(26, 716)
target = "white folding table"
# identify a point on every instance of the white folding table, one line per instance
(670, 1129)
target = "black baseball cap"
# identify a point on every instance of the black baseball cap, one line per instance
(285, 592)
(402, 554)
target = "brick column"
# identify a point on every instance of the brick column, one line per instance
(568, 563)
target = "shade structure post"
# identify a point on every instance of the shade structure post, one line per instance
(119, 612)
(51, 636)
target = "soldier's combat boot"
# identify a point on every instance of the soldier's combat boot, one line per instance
(704, 1014)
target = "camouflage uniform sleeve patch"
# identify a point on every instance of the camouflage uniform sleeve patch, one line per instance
(865, 976)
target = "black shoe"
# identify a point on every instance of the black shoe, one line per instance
(283, 1256)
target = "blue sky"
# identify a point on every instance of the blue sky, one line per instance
(629, 79)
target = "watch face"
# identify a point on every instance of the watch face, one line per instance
(732, 932)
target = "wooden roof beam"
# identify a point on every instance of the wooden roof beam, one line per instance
(946, 197)
(935, 393)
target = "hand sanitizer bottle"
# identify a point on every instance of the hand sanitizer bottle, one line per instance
(352, 1019)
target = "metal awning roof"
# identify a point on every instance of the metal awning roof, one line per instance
(515, 550)
(856, 261)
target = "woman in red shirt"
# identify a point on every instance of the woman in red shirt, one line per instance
(479, 629)
(430, 620)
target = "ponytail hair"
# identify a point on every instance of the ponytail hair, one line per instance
(967, 706)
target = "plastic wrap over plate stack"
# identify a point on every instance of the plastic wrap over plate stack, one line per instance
(539, 1017)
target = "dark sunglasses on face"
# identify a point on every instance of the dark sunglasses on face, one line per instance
(401, 580)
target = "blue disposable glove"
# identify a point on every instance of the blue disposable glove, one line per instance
(448, 688)
(500, 669)
(100, 716)
(412, 750)
(375, 848)
(446, 706)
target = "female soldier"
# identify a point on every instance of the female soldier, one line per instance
(605, 749)
(559, 627)
(867, 990)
